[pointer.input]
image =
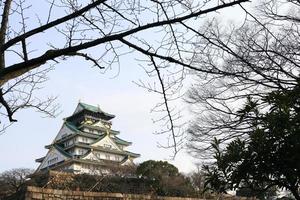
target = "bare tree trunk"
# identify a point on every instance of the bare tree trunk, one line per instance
(3, 29)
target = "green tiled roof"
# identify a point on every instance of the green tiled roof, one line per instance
(135, 155)
(58, 148)
(68, 137)
(86, 146)
(94, 109)
(104, 163)
(62, 151)
(71, 126)
(40, 159)
(120, 141)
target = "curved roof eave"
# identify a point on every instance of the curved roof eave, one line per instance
(95, 109)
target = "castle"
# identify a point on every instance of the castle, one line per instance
(87, 144)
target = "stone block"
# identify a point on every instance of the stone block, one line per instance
(57, 192)
(47, 190)
(37, 195)
(66, 192)
(77, 193)
(33, 189)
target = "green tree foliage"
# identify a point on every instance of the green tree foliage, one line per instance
(117, 184)
(270, 155)
(167, 181)
(156, 169)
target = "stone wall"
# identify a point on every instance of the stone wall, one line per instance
(51, 194)
(34, 193)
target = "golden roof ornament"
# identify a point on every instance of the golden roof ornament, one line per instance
(107, 128)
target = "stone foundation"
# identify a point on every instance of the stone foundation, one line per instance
(33, 193)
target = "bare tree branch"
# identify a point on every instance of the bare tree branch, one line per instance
(49, 25)
(113, 26)
(253, 60)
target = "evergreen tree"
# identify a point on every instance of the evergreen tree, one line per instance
(270, 155)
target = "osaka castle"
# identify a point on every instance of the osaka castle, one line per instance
(86, 143)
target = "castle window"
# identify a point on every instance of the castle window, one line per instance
(81, 151)
(85, 140)
(107, 157)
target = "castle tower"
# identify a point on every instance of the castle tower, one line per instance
(87, 144)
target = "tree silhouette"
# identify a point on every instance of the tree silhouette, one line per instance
(249, 61)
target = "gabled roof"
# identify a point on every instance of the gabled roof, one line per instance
(100, 138)
(67, 129)
(106, 138)
(78, 133)
(58, 152)
(95, 109)
(58, 148)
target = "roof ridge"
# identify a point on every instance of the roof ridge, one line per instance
(94, 108)
(122, 141)
(90, 105)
